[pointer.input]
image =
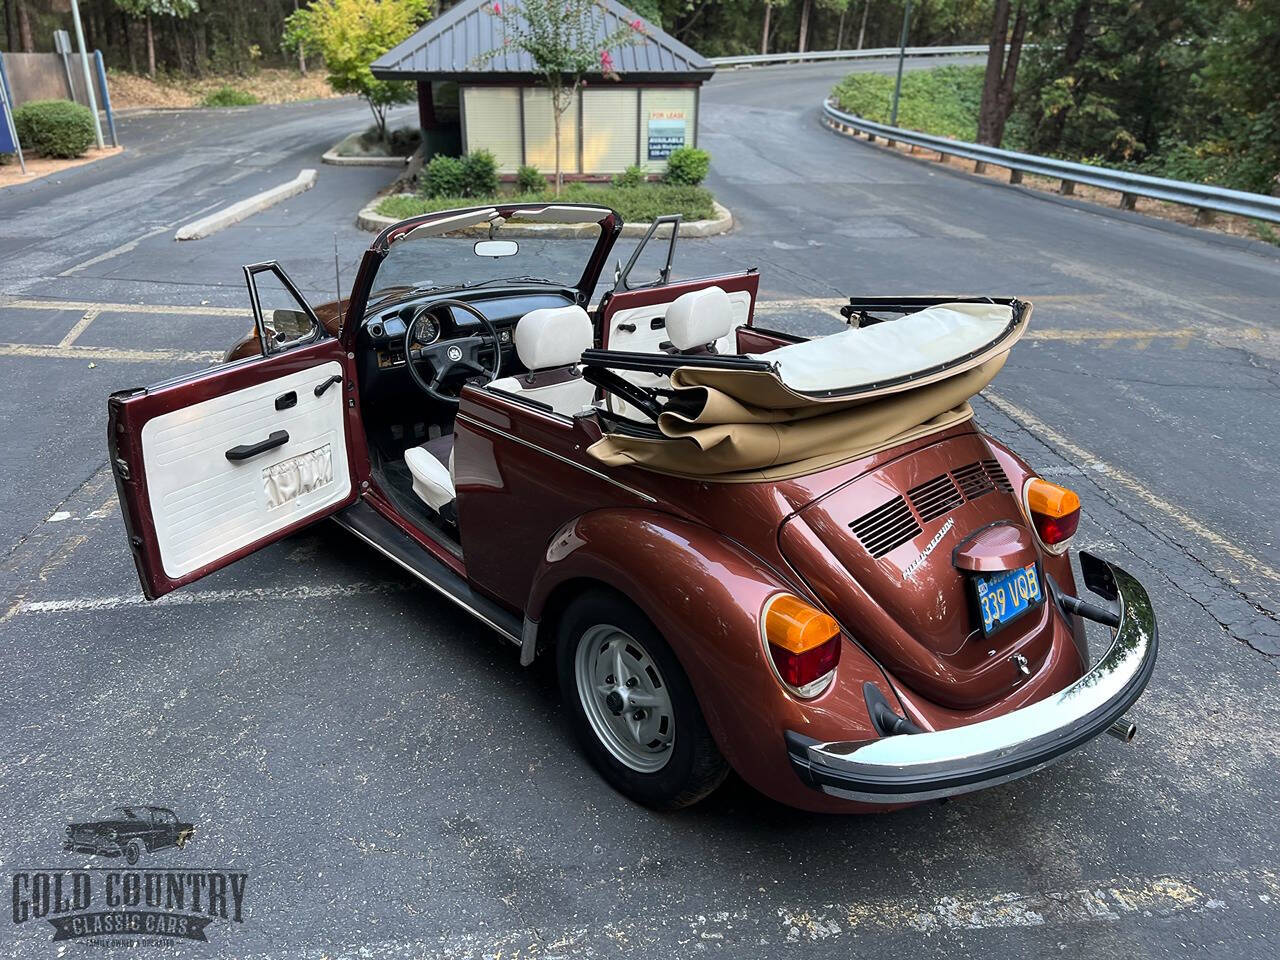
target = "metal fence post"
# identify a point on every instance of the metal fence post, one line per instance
(88, 80)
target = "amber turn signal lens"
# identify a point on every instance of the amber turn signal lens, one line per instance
(795, 626)
(1054, 510)
(803, 643)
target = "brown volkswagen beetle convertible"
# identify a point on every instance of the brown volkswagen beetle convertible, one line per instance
(796, 558)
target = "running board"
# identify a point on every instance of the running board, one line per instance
(389, 540)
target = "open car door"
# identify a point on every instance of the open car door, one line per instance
(213, 466)
(633, 315)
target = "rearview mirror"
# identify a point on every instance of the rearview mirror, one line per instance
(496, 248)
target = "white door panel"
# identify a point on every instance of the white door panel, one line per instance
(205, 506)
(644, 339)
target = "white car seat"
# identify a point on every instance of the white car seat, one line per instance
(694, 322)
(431, 466)
(549, 342)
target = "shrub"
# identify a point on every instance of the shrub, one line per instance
(229, 96)
(54, 128)
(443, 176)
(479, 174)
(529, 180)
(687, 166)
(7, 158)
(633, 176)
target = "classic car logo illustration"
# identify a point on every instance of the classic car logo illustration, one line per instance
(115, 906)
(129, 831)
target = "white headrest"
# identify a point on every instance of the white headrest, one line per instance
(553, 337)
(698, 318)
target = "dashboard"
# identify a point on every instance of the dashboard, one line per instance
(383, 373)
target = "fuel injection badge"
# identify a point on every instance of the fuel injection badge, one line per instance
(128, 905)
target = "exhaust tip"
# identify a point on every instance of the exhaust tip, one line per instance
(1123, 730)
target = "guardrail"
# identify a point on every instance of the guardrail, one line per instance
(871, 54)
(1130, 186)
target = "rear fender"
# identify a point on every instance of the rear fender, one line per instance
(704, 593)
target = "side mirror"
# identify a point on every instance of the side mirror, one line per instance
(496, 248)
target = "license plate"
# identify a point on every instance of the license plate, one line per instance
(1007, 595)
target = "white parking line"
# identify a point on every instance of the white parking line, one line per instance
(108, 354)
(1093, 462)
(195, 597)
(200, 310)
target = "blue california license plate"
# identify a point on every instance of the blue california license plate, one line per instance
(1007, 595)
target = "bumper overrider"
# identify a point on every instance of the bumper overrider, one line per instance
(924, 766)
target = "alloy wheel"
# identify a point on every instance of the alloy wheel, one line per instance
(625, 698)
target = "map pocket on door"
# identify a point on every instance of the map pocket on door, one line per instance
(290, 479)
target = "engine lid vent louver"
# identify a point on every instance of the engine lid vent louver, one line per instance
(973, 481)
(931, 500)
(887, 526)
(892, 524)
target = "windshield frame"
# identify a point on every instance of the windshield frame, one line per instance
(609, 223)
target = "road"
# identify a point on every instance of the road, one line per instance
(396, 786)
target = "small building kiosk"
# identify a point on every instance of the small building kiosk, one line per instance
(467, 103)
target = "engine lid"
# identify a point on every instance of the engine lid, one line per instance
(881, 552)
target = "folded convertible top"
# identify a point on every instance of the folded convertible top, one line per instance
(820, 402)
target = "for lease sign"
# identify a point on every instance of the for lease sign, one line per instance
(666, 132)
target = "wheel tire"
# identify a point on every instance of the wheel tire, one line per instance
(133, 852)
(694, 767)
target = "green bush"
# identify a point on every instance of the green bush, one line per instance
(54, 128)
(229, 96)
(942, 101)
(529, 180)
(687, 166)
(7, 158)
(633, 176)
(479, 174)
(443, 176)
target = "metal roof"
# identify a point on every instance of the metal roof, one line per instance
(450, 46)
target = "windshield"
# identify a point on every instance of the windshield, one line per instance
(421, 262)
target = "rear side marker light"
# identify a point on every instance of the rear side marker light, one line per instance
(803, 644)
(1054, 512)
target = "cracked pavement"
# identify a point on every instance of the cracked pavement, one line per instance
(396, 786)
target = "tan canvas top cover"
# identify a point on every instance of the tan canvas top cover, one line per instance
(827, 400)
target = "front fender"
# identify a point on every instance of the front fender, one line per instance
(704, 593)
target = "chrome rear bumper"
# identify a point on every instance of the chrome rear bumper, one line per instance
(925, 766)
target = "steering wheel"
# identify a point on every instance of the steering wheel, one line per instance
(445, 356)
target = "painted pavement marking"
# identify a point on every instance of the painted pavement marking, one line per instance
(108, 354)
(200, 597)
(1152, 499)
(80, 327)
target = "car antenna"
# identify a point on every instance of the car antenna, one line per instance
(337, 278)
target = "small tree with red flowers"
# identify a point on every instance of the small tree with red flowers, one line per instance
(568, 41)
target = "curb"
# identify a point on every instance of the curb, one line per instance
(225, 217)
(369, 219)
(331, 156)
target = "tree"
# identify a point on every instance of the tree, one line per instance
(146, 9)
(350, 35)
(24, 27)
(1002, 72)
(567, 40)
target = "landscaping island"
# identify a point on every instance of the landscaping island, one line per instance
(447, 182)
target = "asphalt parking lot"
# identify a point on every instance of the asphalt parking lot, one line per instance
(395, 785)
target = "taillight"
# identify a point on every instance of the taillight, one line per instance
(1054, 512)
(803, 644)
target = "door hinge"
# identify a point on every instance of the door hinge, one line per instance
(122, 468)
